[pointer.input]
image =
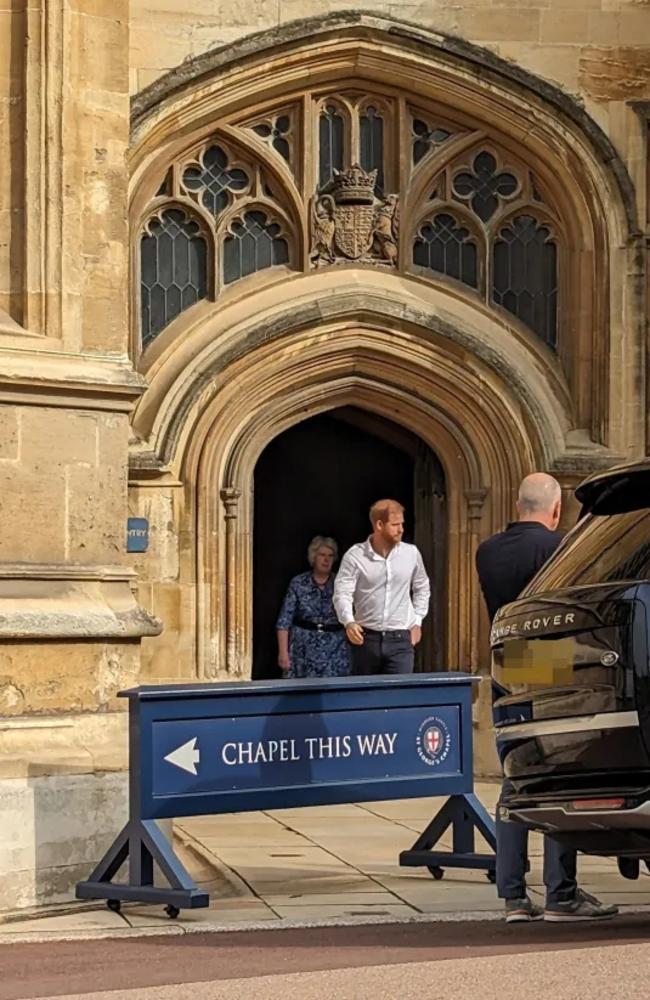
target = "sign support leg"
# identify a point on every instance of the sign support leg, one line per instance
(143, 843)
(465, 814)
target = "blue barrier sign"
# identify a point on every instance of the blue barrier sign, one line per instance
(137, 534)
(256, 752)
(216, 748)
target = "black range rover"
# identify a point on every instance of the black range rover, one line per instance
(571, 664)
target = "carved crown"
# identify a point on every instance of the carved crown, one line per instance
(354, 185)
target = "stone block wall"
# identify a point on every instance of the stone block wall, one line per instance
(597, 48)
(65, 469)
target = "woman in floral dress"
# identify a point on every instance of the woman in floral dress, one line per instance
(311, 640)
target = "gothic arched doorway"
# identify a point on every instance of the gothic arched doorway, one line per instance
(320, 477)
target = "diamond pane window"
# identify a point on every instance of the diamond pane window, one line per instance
(525, 275)
(254, 243)
(330, 150)
(173, 270)
(484, 186)
(446, 246)
(215, 180)
(371, 138)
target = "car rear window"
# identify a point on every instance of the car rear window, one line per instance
(599, 550)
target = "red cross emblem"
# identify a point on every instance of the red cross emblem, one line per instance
(433, 739)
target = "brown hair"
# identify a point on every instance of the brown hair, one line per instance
(382, 509)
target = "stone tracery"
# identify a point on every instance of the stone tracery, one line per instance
(368, 203)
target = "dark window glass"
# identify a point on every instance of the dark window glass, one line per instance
(214, 179)
(371, 137)
(444, 245)
(525, 275)
(275, 133)
(426, 137)
(483, 187)
(253, 245)
(330, 154)
(173, 270)
(599, 550)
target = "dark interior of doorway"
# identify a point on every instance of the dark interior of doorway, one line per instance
(320, 478)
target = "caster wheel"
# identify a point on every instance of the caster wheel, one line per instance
(629, 867)
(172, 911)
(114, 905)
(437, 872)
(491, 875)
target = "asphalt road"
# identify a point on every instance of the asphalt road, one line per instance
(475, 961)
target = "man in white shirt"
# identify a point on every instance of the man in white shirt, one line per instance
(381, 595)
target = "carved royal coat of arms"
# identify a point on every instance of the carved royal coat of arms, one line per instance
(350, 222)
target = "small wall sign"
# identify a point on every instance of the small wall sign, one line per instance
(137, 534)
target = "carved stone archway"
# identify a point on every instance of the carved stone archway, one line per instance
(274, 347)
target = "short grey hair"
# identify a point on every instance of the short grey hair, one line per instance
(321, 541)
(538, 493)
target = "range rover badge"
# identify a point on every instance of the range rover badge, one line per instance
(609, 659)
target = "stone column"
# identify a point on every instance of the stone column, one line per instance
(475, 500)
(230, 497)
(70, 627)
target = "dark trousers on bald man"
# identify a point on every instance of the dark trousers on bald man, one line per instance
(560, 862)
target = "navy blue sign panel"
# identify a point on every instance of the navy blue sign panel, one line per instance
(216, 748)
(289, 750)
(230, 747)
(137, 534)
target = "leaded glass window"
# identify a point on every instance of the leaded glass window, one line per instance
(330, 148)
(484, 185)
(525, 275)
(426, 137)
(173, 269)
(254, 243)
(371, 143)
(214, 180)
(226, 208)
(445, 245)
(275, 132)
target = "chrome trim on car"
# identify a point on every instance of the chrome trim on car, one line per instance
(560, 817)
(571, 724)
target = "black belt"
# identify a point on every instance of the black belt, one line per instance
(317, 626)
(397, 633)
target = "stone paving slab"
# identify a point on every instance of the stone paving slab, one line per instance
(320, 865)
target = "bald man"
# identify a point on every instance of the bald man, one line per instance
(506, 563)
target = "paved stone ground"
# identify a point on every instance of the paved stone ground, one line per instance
(319, 865)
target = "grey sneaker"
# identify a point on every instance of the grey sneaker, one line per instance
(581, 907)
(522, 911)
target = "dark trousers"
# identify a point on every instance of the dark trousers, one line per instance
(512, 855)
(383, 653)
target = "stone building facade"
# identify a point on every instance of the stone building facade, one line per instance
(220, 221)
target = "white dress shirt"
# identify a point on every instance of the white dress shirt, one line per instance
(376, 592)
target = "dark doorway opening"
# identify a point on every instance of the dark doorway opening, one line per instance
(320, 478)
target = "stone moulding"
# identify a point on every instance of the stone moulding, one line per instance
(52, 378)
(43, 601)
(429, 44)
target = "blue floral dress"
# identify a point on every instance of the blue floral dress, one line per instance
(312, 653)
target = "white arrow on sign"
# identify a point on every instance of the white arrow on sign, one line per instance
(185, 757)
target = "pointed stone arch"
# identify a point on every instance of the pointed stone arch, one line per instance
(408, 353)
(490, 399)
(573, 159)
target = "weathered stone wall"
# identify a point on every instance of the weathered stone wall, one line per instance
(64, 469)
(597, 48)
(70, 627)
(12, 123)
